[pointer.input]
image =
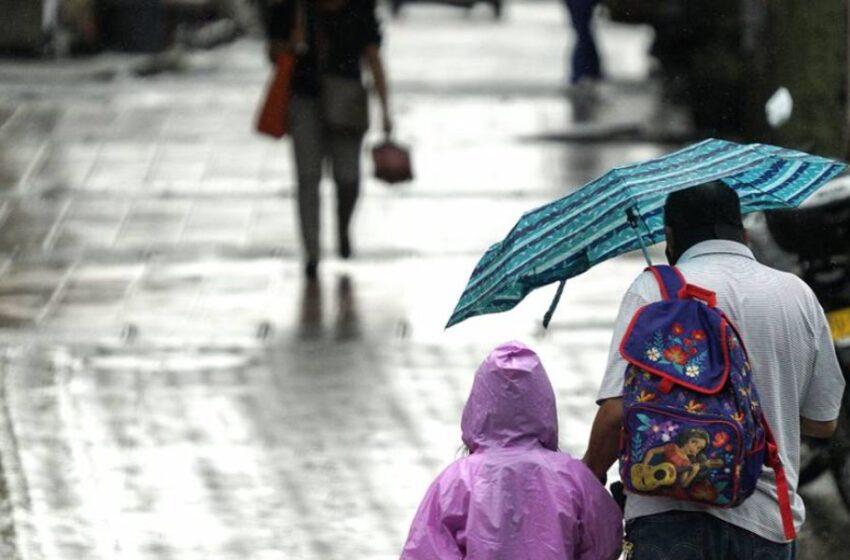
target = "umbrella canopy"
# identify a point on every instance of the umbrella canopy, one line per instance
(568, 236)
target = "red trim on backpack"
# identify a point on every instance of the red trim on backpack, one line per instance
(695, 292)
(783, 493)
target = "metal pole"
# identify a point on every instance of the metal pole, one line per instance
(631, 215)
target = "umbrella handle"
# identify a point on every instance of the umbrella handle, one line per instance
(554, 304)
(631, 216)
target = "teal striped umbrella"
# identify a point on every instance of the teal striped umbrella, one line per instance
(623, 210)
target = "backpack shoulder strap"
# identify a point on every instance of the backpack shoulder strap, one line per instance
(670, 280)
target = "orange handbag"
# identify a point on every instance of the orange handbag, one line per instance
(272, 119)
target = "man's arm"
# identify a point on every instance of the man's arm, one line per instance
(604, 444)
(816, 429)
(821, 405)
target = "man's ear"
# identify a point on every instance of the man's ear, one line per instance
(670, 251)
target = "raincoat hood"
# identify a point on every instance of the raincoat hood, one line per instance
(511, 402)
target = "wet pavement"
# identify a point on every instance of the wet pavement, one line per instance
(173, 389)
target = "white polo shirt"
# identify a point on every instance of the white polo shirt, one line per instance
(795, 368)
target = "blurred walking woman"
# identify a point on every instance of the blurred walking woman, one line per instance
(328, 115)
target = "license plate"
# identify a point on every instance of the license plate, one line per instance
(839, 324)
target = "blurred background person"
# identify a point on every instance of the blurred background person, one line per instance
(328, 114)
(584, 61)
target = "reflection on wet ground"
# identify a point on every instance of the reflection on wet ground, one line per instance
(344, 321)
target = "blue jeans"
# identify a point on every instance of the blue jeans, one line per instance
(683, 535)
(585, 58)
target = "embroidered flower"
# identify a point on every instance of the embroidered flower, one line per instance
(653, 354)
(692, 371)
(676, 355)
(699, 336)
(693, 351)
(668, 426)
(678, 329)
(738, 417)
(720, 439)
(645, 397)
(694, 407)
(688, 342)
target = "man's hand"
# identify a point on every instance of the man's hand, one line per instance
(604, 444)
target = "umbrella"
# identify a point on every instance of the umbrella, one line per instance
(623, 210)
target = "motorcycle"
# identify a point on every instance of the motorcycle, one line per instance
(813, 241)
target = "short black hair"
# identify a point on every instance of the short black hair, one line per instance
(708, 211)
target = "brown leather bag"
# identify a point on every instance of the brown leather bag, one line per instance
(392, 162)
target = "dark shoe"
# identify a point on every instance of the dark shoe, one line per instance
(312, 269)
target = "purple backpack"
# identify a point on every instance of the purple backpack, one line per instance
(692, 425)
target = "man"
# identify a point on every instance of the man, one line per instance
(794, 367)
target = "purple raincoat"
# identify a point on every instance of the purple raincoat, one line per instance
(515, 497)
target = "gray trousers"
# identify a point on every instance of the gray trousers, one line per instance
(313, 144)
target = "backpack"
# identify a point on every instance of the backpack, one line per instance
(693, 428)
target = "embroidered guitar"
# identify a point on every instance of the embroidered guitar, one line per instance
(649, 477)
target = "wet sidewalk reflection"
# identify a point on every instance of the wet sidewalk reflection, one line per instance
(342, 323)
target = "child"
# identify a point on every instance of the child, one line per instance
(515, 497)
